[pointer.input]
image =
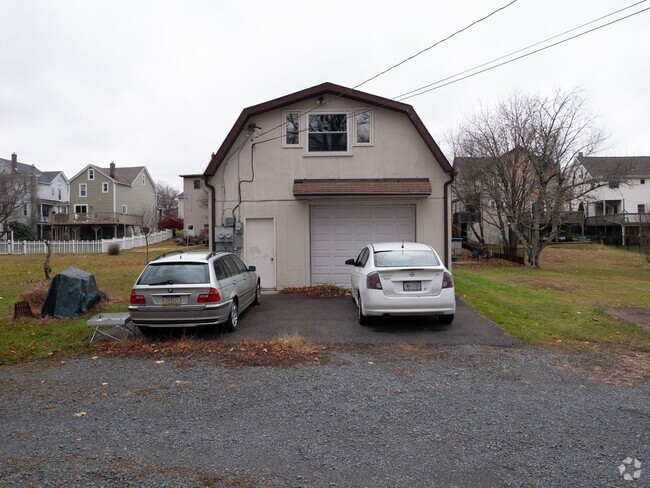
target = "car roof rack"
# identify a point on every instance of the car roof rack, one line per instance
(164, 255)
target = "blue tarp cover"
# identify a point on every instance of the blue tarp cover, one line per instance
(71, 292)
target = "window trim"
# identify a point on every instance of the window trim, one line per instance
(83, 190)
(195, 181)
(143, 179)
(125, 209)
(105, 187)
(79, 206)
(371, 122)
(349, 131)
(286, 113)
(91, 174)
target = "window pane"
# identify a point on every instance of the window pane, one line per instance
(328, 142)
(363, 127)
(293, 128)
(328, 123)
(197, 184)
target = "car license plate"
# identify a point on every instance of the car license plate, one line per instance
(171, 301)
(412, 286)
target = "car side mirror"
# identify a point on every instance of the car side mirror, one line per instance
(251, 268)
(351, 262)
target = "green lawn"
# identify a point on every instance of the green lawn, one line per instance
(30, 338)
(564, 300)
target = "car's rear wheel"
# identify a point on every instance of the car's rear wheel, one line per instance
(233, 318)
(446, 319)
(258, 294)
(363, 319)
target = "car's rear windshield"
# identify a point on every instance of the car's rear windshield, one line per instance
(175, 273)
(390, 259)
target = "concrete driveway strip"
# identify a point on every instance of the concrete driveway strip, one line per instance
(334, 321)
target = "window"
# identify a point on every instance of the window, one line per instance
(642, 181)
(363, 126)
(124, 209)
(143, 180)
(197, 184)
(105, 187)
(59, 193)
(613, 185)
(328, 133)
(641, 208)
(25, 210)
(83, 190)
(363, 257)
(220, 270)
(291, 129)
(91, 174)
(53, 192)
(81, 209)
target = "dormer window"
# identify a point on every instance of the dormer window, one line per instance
(327, 133)
(91, 174)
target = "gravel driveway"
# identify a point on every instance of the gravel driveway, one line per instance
(433, 415)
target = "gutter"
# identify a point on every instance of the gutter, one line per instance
(447, 219)
(213, 211)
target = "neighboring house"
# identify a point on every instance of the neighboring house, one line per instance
(46, 193)
(193, 206)
(108, 202)
(301, 183)
(619, 212)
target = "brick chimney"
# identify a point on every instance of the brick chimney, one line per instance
(14, 163)
(112, 172)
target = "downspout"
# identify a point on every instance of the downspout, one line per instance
(447, 193)
(213, 211)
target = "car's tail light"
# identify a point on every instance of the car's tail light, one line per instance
(210, 297)
(447, 280)
(373, 282)
(137, 299)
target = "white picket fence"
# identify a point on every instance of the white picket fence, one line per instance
(81, 247)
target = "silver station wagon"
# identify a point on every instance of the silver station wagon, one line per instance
(193, 289)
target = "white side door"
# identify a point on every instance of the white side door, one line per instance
(259, 249)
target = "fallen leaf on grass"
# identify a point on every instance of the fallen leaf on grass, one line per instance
(160, 361)
(80, 414)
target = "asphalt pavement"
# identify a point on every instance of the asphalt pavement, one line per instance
(334, 321)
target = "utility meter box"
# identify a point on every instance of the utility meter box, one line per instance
(224, 234)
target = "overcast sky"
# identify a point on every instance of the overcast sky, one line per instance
(160, 83)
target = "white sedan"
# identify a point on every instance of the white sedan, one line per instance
(402, 278)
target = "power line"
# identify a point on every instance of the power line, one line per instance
(435, 44)
(422, 90)
(405, 60)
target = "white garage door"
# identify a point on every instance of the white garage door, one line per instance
(339, 232)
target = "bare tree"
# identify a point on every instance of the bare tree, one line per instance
(14, 190)
(525, 174)
(146, 220)
(167, 199)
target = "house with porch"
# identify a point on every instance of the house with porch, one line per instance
(45, 194)
(107, 203)
(619, 212)
(302, 182)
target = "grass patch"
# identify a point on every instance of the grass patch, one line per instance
(564, 301)
(23, 279)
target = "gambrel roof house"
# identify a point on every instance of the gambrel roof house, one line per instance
(47, 192)
(108, 202)
(302, 182)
